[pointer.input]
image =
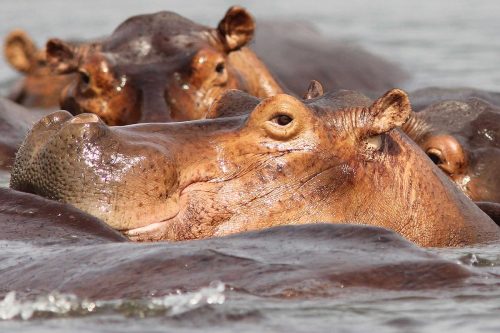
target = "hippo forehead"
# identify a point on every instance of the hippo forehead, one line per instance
(153, 36)
(339, 100)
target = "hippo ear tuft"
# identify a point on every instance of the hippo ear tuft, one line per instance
(389, 111)
(20, 50)
(61, 56)
(236, 28)
(314, 90)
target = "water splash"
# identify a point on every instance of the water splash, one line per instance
(59, 304)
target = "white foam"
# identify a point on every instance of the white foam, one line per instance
(61, 304)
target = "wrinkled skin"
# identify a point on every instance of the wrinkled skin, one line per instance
(295, 51)
(321, 260)
(334, 158)
(40, 87)
(15, 123)
(463, 139)
(161, 67)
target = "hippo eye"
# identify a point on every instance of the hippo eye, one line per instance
(220, 67)
(84, 77)
(282, 119)
(435, 156)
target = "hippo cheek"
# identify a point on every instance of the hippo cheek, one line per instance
(68, 100)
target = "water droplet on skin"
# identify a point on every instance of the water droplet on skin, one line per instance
(185, 86)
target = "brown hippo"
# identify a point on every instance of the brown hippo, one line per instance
(338, 157)
(161, 67)
(463, 139)
(40, 87)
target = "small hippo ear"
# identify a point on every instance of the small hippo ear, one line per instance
(389, 111)
(447, 153)
(20, 51)
(314, 90)
(61, 56)
(232, 103)
(236, 28)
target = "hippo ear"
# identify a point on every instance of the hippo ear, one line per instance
(447, 153)
(314, 90)
(389, 111)
(236, 28)
(20, 51)
(61, 56)
(232, 103)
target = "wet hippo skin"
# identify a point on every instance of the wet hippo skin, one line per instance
(287, 261)
(30, 218)
(337, 157)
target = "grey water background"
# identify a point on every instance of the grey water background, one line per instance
(442, 43)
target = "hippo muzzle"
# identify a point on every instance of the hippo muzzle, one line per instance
(79, 160)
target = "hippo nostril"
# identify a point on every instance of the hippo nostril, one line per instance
(85, 118)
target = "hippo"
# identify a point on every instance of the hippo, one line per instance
(336, 158)
(40, 87)
(161, 67)
(463, 139)
(422, 98)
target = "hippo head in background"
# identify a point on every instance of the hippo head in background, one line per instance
(332, 158)
(463, 139)
(40, 87)
(161, 67)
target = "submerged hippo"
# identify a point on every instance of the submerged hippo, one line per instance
(334, 158)
(463, 139)
(161, 67)
(422, 98)
(40, 87)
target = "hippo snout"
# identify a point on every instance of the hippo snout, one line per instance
(101, 170)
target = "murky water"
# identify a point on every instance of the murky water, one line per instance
(446, 43)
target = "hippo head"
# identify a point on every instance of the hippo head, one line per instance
(40, 87)
(463, 139)
(331, 158)
(159, 67)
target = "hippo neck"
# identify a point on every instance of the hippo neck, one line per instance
(409, 194)
(256, 77)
